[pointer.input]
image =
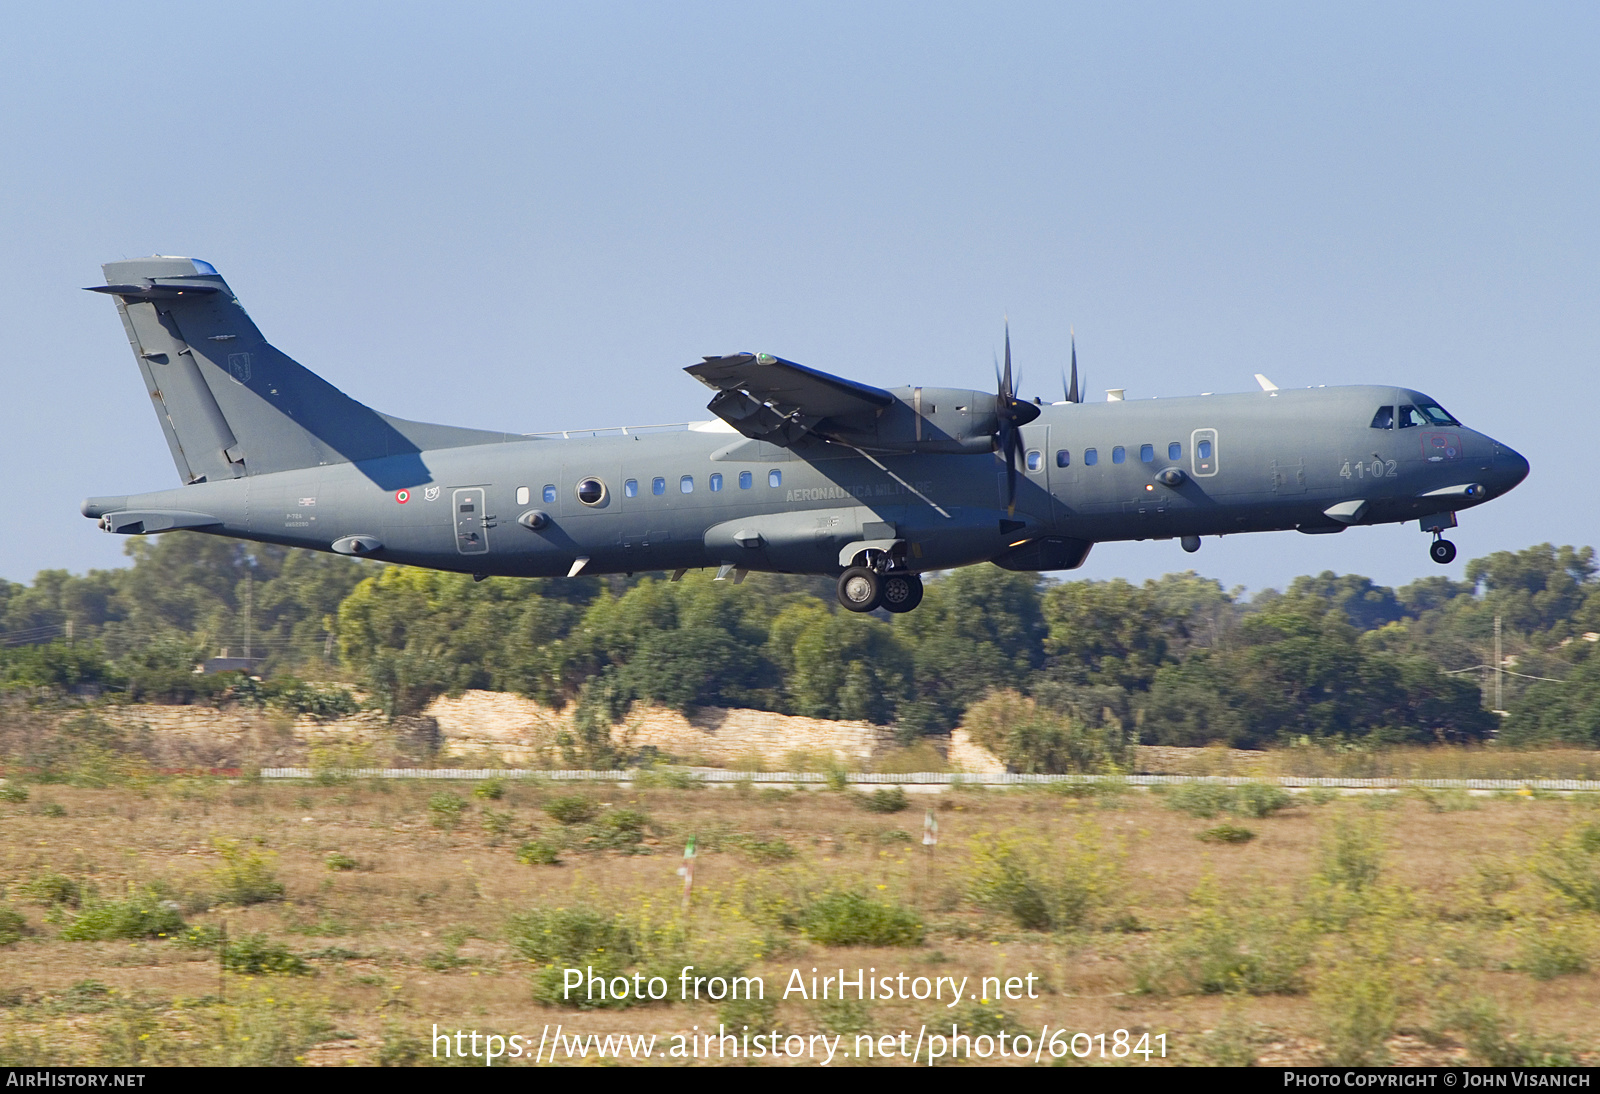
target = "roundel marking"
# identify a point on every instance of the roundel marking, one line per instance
(402, 496)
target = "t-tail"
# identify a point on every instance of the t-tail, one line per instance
(233, 405)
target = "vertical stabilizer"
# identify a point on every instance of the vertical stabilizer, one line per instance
(230, 403)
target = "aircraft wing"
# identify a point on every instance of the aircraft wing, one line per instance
(774, 400)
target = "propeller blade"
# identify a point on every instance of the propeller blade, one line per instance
(1072, 392)
(1006, 389)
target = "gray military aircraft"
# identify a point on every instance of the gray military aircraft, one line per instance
(799, 472)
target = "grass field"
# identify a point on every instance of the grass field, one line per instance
(1241, 926)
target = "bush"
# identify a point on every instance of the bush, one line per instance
(144, 914)
(1227, 833)
(537, 853)
(572, 809)
(1485, 1032)
(775, 849)
(496, 822)
(14, 792)
(1256, 800)
(1550, 950)
(246, 876)
(257, 955)
(1260, 800)
(1032, 738)
(490, 790)
(51, 888)
(338, 861)
(12, 926)
(1039, 887)
(1352, 854)
(885, 800)
(1571, 866)
(850, 919)
(445, 809)
(1241, 946)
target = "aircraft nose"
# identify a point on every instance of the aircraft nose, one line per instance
(1510, 467)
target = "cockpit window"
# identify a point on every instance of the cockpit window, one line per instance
(1410, 416)
(1384, 418)
(1435, 414)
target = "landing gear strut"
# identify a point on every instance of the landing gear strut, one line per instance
(1443, 551)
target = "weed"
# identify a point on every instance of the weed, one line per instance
(50, 889)
(572, 809)
(1260, 800)
(1042, 887)
(1571, 866)
(983, 1018)
(12, 926)
(247, 875)
(1359, 1003)
(747, 1013)
(1550, 950)
(885, 800)
(497, 823)
(844, 1016)
(771, 850)
(1227, 833)
(338, 861)
(849, 919)
(1352, 853)
(14, 793)
(445, 809)
(666, 778)
(838, 779)
(257, 955)
(1240, 946)
(1491, 1042)
(85, 997)
(144, 914)
(537, 853)
(52, 809)
(399, 1048)
(1321, 795)
(1200, 799)
(1232, 1043)
(491, 790)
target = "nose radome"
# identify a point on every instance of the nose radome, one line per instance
(1510, 467)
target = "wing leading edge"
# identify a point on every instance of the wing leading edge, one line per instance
(770, 399)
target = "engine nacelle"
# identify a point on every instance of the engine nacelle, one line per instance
(925, 419)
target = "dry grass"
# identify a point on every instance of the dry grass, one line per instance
(406, 921)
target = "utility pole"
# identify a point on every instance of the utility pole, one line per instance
(1499, 663)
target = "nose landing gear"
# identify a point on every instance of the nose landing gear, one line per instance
(1442, 551)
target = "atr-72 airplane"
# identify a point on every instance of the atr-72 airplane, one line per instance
(799, 472)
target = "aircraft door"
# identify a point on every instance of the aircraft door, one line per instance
(1204, 459)
(472, 534)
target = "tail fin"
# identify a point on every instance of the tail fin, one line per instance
(232, 405)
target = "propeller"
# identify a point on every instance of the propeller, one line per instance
(1071, 391)
(1013, 413)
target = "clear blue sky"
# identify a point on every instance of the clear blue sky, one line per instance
(530, 217)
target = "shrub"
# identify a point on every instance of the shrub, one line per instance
(1571, 866)
(1227, 833)
(1200, 799)
(1033, 738)
(537, 853)
(445, 809)
(568, 934)
(142, 915)
(13, 792)
(338, 861)
(257, 955)
(490, 790)
(1487, 1037)
(572, 809)
(850, 919)
(1550, 950)
(1043, 888)
(1241, 946)
(1359, 1002)
(1260, 800)
(619, 829)
(496, 822)
(52, 809)
(51, 888)
(775, 849)
(746, 1013)
(1352, 853)
(246, 875)
(12, 926)
(885, 800)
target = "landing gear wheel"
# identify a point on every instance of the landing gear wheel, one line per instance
(860, 589)
(901, 592)
(1443, 552)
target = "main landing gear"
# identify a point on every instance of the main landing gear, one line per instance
(862, 589)
(1442, 551)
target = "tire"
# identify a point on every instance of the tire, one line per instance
(1443, 552)
(901, 593)
(860, 589)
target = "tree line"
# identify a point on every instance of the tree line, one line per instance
(1098, 664)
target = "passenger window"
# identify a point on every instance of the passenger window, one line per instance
(1147, 453)
(686, 485)
(1410, 416)
(745, 480)
(1205, 450)
(630, 489)
(774, 477)
(549, 495)
(1384, 418)
(1174, 451)
(658, 486)
(716, 482)
(523, 494)
(1119, 454)
(1091, 456)
(1063, 458)
(1035, 460)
